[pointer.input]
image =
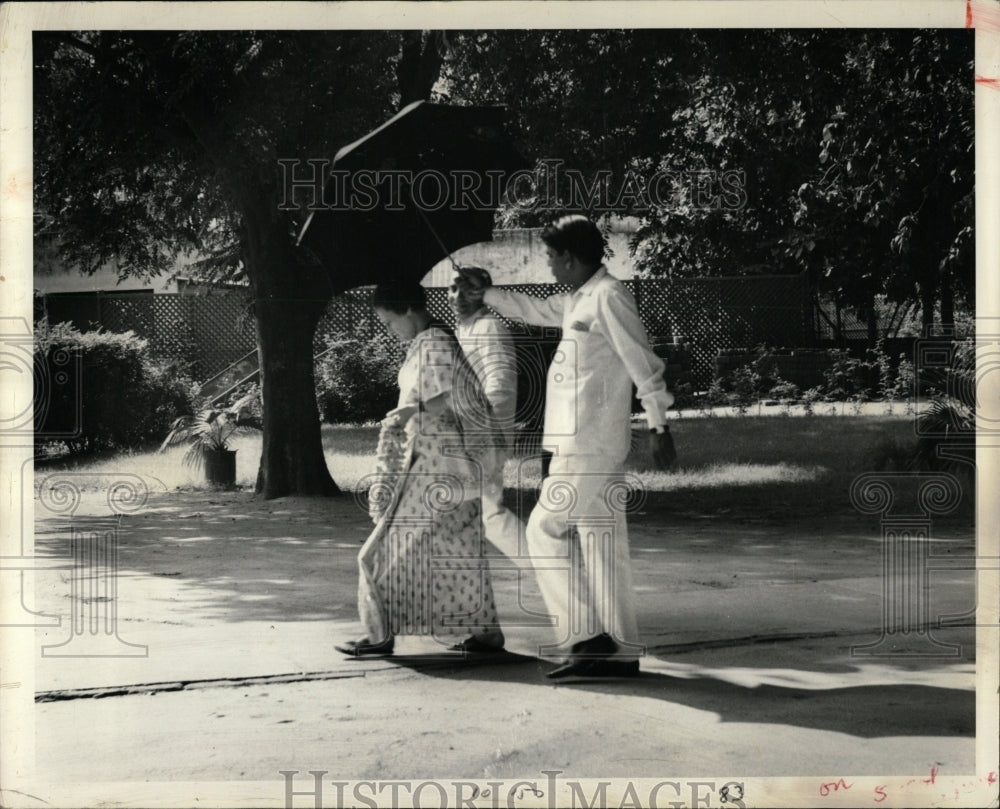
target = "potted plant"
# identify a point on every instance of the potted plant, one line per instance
(208, 433)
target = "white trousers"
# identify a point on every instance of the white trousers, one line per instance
(578, 540)
(503, 529)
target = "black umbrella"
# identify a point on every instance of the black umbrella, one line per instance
(408, 194)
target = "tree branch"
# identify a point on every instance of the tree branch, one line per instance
(74, 42)
(419, 66)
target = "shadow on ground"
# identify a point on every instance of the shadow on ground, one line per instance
(865, 711)
(236, 558)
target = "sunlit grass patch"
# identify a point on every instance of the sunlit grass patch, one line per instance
(729, 474)
(159, 472)
(349, 439)
(713, 455)
(162, 471)
(347, 470)
(527, 475)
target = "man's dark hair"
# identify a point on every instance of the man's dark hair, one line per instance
(399, 296)
(578, 235)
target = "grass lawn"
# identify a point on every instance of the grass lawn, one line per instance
(755, 466)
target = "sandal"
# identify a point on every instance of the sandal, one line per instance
(477, 646)
(364, 647)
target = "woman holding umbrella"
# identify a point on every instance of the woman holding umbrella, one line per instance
(421, 571)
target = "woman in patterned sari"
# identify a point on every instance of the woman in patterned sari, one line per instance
(421, 571)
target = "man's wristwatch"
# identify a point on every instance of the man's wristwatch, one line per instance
(663, 428)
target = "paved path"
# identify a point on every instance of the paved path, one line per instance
(749, 668)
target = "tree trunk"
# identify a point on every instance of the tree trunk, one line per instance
(947, 306)
(927, 300)
(872, 323)
(420, 60)
(289, 300)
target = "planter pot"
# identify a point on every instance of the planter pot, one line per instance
(220, 466)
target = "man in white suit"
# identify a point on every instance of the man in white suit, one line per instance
(577, 534)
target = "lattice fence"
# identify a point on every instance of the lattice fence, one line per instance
(707, 314)
(718, 314)
(211, 332)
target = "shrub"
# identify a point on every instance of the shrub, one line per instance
(356, 379)
(784, 391)
(846, 378)
(751, 382)
(684, 397)
(765, 367)
(904, 386)
(947, 428)
(122, 398)
(716, 395)
(746, 384)
(886, 374)
(809, 399)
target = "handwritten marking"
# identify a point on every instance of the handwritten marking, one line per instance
(880, 792)
(833, 786)
(18, 185)
(981, 16)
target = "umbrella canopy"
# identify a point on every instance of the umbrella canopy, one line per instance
(406, 195)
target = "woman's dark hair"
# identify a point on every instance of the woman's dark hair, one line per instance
(578, 235)
(399, 296)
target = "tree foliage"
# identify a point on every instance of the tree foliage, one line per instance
(152, 143)
(854, 146)
(146, 142)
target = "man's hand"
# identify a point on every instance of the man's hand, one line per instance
(473, 282)
(661, 447)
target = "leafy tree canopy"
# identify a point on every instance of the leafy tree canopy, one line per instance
(855, 147)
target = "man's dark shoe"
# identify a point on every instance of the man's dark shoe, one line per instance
(598, 646)
(595, 667)
(594, 657)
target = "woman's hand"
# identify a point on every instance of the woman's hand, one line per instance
(399, 417)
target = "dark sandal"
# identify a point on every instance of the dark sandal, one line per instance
(364, 647)
(475, 645)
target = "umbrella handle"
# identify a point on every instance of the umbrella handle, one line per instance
(434, 233)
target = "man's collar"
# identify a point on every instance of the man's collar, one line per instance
(590, 284)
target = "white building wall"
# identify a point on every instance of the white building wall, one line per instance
(517, 256)
(52, 276)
